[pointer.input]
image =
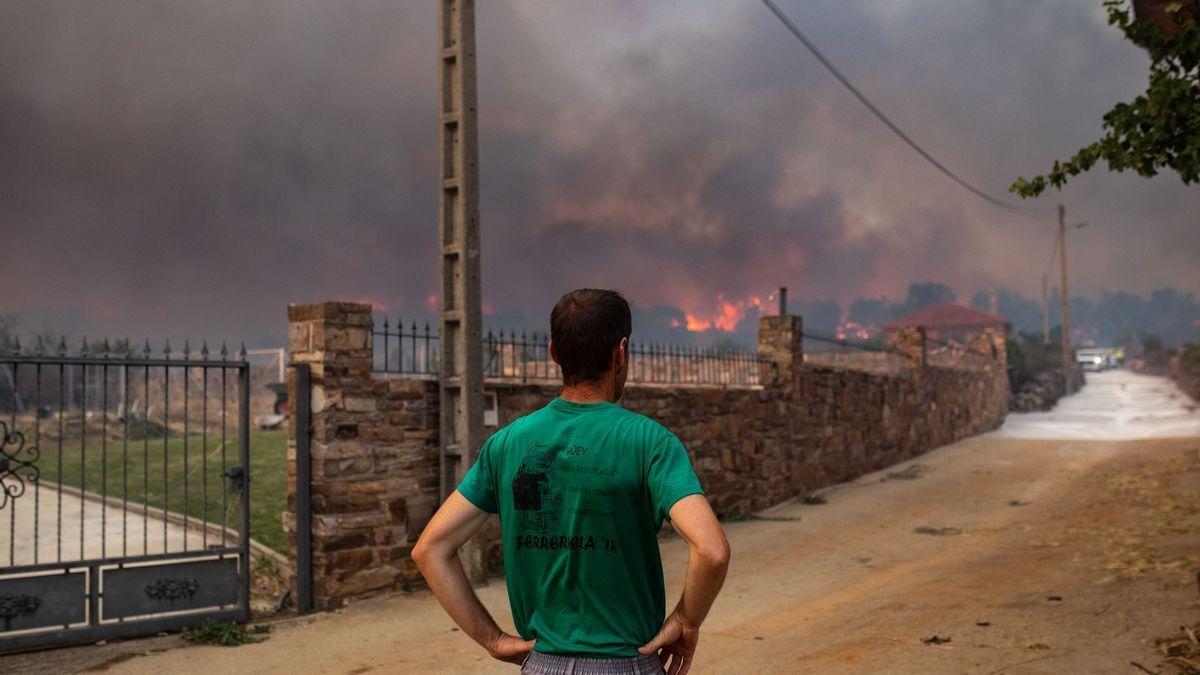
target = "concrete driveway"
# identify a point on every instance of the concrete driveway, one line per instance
(107, 528)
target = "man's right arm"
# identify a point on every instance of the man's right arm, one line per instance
(436, 555)
(708, 560)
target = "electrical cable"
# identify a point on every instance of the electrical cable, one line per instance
(795, 30)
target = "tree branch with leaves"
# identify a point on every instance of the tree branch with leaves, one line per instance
(1157, 130)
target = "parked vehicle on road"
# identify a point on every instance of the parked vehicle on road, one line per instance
(1097, 359)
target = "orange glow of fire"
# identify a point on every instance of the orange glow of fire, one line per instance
(727, 317)
(853, 329)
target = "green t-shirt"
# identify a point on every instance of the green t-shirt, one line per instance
(582, 491)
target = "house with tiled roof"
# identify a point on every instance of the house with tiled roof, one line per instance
(948, 321)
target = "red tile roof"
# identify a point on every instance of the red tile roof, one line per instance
(948, 315)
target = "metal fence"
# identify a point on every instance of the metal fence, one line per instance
(673, 364)
(833, 352)
(123, 503)
(525, 357)
(409, 351)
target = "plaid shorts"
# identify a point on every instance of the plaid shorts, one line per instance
(550, 664)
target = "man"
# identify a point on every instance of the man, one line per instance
(582, 487)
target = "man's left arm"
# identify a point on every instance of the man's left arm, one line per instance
(436, 555)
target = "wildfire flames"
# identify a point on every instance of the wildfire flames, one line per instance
(853, 329)
(726, 318)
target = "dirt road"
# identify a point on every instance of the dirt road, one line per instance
(1028, 556)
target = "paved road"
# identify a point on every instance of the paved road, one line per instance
(106, 529)
(1030, 556)
(1115, 405)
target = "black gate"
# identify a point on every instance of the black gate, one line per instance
(123, 492)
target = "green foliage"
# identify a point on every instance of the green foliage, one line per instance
(876, 311)
(1159, 129)
(1152, 343)
(1114, 319)
(870, 311)
(225, 633)
(1028, 357)
(266, 567)
(1015, 354)
(1022, 312)
(925, 295)
(1189, 356)
(1156, 355)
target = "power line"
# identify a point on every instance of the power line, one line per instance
(795, 30)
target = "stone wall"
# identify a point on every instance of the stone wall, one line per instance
(375, 450)
(754, 448)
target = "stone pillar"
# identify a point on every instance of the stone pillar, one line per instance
(911, 341)
(333, 337)
(359, 507)
(781, 346)
(999, 340)
(985, 347)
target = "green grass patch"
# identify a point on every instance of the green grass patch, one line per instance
(226, 633)
(185, 477)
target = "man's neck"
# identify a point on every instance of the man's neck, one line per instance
(588, 392)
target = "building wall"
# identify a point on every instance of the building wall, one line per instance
(375, 446)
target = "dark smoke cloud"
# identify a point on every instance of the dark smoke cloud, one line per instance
(189, 168)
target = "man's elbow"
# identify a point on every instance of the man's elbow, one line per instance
(422, 555)
(715, 554)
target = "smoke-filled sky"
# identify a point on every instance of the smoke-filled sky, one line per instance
(189, 168)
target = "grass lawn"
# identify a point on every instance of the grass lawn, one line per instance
(103, 469)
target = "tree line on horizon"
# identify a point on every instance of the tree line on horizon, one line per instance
(1114, 318)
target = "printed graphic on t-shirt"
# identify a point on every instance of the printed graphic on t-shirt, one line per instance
(540, 505)
(532, 495)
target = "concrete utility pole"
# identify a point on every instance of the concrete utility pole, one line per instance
(1045, 309)
(461, 371)
(1068, 362)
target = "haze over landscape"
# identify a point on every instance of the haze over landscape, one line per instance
(164, 160)
(851, 416)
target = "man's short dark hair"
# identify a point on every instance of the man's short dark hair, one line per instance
(586, 326)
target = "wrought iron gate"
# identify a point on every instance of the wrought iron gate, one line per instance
(123, 492)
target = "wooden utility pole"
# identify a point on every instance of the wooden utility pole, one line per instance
(1045, 309)
(1068, 362)
(460, 374)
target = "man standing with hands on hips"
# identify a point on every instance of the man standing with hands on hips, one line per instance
(582, 487)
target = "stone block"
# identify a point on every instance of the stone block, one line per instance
(353, 583)
(360, 404)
